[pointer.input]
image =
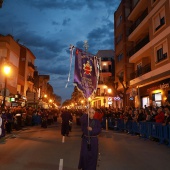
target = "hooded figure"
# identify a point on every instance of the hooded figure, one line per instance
(89, 144)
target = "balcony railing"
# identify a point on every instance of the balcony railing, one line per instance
(31, 65)
(143, 70)
(138, 46)
(138, 21)
(31, 79)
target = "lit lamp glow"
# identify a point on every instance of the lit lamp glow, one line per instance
(109, 91)
(6, 71)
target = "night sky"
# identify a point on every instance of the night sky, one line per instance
(48, 27)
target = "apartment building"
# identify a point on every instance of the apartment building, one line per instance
(26, 71)
(148, 37)
(21, 87)
(122, 66)
(43, 84)
(103, 97)
(9, 55)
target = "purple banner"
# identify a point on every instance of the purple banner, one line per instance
(86, 72)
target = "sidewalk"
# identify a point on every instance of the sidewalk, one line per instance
(13, 134)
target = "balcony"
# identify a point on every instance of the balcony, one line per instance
(143, 70)
(31, 65)
(30, 79)
(137, 8)
(138, 21)
(138, 46)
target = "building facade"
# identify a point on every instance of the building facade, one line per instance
(103, 97)
(148, 37)
(123, 67)
(9, 55)
(22, 86)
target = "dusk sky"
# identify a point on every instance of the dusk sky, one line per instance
(48, 27)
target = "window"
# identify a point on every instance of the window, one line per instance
(159, 19)
(134, 3)
(161, 52)
(119, 20)
(145, 101)
(119, 38)
(153, 1)
(158, 98)
(120, 57)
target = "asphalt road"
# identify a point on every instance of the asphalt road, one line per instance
(36, 148)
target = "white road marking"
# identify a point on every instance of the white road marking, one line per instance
(63, 139)
(61, 164)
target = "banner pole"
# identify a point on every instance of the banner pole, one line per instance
(88, 110)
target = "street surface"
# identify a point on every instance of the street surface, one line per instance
(36, 148)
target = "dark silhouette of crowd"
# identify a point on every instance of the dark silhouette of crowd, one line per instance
(16, 118)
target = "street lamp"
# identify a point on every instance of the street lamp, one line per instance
(109, 91)
(82, 102)
(6, 70)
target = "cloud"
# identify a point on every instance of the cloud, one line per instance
(55, 23)
(66, 21)
(51, 4)
(48, 28)
(70, 5)
(53, 68)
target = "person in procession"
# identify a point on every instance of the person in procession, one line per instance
(66, 118)
(89, 145)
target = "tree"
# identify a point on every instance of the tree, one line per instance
(67, 102)
(114, 85)
(77, 96)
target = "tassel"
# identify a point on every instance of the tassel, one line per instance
(71, 56)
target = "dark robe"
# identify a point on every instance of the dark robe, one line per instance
(66, 117)
(3, 125)
(89, 155)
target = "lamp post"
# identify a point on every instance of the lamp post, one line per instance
(104, 95)
(6, 70)
(109, 91)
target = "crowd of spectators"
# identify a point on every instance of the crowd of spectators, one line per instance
(19, 117)
(16, 118)
(149, 114)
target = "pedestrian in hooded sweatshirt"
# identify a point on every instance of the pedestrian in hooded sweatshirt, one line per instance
(89, 145)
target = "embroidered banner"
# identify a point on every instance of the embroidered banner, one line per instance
(86, 72)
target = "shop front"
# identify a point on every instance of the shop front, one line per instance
(156, 94)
